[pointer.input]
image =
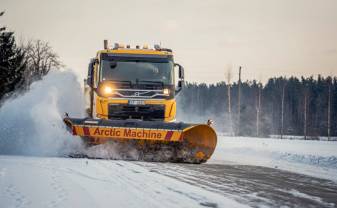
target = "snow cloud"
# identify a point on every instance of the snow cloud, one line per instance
(31, 124)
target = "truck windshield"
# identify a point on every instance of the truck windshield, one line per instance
(137, 71)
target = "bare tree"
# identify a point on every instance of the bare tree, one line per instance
(40, 59)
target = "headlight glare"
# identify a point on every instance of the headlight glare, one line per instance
(166, 92)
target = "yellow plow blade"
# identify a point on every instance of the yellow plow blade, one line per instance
(191, 143)
(202, 138)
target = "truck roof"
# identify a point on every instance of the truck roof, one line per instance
(135, 51)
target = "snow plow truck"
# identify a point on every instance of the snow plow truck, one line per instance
(131, 101)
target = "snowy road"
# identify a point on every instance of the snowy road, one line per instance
(64, 182)
(253, 185)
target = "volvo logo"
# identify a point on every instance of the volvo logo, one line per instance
(137, 94)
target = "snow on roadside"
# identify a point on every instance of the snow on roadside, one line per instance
(315, 158)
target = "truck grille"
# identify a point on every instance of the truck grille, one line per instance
(145, 112)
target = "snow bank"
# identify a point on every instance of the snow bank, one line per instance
(32, 123)
(315, 158)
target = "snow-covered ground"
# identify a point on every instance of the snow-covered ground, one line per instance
(314, 158)
(27, 181)
(65, 182)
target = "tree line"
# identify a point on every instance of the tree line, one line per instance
(282, 106)
(22, 64)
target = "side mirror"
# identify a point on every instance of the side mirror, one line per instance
(181, 84)
(181, 73)
(90, 78)
(88, 81)
(181, 77)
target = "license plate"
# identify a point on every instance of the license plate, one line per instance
(136, 102)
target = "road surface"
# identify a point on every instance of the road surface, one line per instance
(253, 185)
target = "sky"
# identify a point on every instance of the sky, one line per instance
(267, 38)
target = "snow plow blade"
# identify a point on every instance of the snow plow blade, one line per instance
(188, 143)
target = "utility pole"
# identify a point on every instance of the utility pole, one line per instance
(282, 109)
(229, 109)
(258, 110)
(239, 102)
(329, 109)
(198, 98)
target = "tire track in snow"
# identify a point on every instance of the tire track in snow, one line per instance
(143, 186)
(126, 174)
(61, 194)
(102, 177)
(126, 180)
(19, 199)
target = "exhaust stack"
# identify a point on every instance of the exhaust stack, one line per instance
(106, 44)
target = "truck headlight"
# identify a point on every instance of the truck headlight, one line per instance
(107, 90)
(166, 91)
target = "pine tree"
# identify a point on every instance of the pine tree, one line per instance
(12, 64)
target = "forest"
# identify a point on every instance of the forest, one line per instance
(283, 106)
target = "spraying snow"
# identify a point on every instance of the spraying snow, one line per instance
(32, 123)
